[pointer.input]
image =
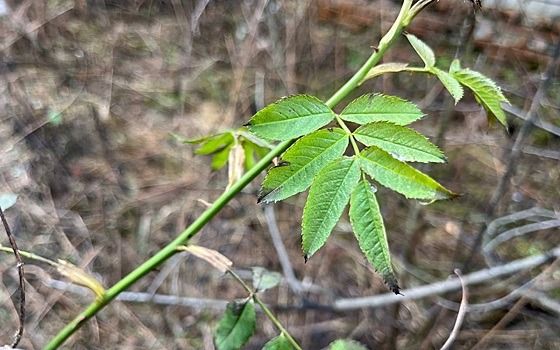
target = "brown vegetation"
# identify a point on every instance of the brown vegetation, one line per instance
(92, 90)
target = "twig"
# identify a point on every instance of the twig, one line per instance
(138, 297)
(296, 285)
(492, 237)
(510, 315)
(522, 291)
(21, 315)
(519, 231)
(448, 285)
(516, 112)
(545, 153)
(460, 315)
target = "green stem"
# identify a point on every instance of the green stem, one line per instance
(276, 322)
(29, 255)
(342, 124)
(266, 310)
(417, 69)
(168, 251)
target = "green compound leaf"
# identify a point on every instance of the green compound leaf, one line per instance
(290, 117)
(423, 50)
(346, 344)
(264, 279)
(329, 194)
(406, 144)
(237, 325)
(451, 84)
(401, 177)
(391, 67)
(278, 343)
(368, 226)
(301, 163)
(486, 92)
(375, 107)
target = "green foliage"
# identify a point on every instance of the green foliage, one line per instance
(450, 83)
(264, 279)
(345, 344)
(376, 107)
(486, 92)
(367, 223)
(290, 117)
(328, 195)
(406, 144)
(424, 51)
(315, 160)
(237, 325)
(428, 56)
(401, 177)
(278, 343)
(222, 145)
(301, 163)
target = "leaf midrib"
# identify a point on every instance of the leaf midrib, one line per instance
(338, 191)
(406, 177)
(403, 145)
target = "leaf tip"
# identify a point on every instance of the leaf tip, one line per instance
(306, 257)
(395, 289)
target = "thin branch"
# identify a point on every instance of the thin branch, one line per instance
(460, 315)
(296, 285)
(20, 264)
(516, 309)
(549, 127)
(492, 237)
(448, 285)
(139, 297)
(522, 291)
(519, 231)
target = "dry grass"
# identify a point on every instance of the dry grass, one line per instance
(90, 95)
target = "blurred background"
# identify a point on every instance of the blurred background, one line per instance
(91, 90)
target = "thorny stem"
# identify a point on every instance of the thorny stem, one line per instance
(152, 263)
